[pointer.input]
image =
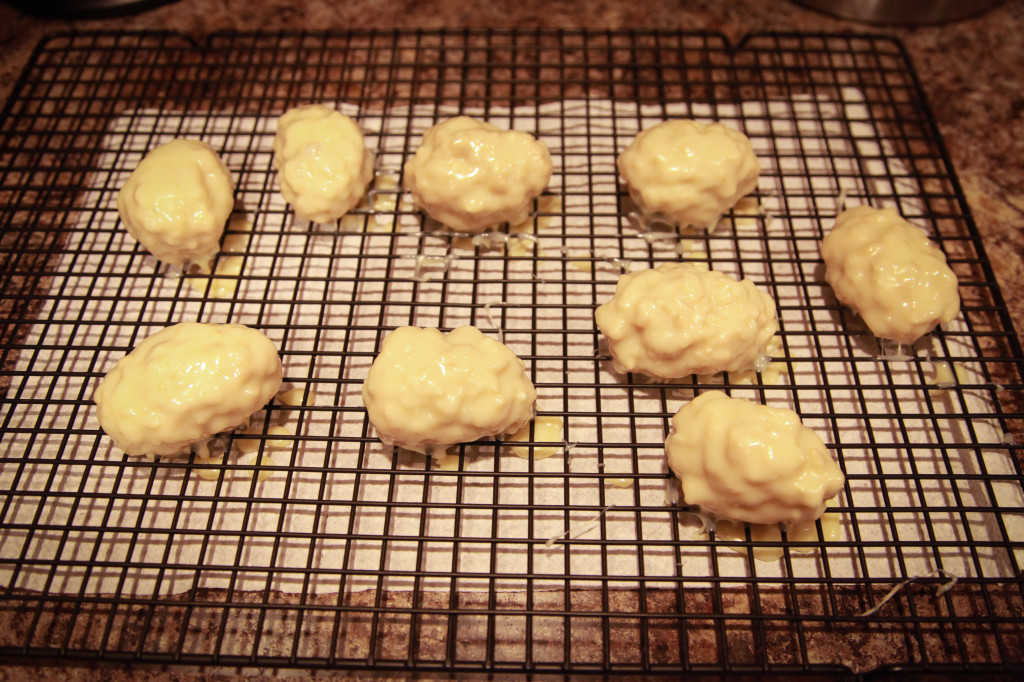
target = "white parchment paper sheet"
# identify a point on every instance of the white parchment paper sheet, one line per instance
(78, 519)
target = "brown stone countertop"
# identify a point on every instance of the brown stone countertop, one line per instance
(972, 72)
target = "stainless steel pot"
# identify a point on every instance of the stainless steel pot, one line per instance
(902, 11)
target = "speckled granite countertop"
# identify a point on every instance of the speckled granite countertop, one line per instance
(972, 72)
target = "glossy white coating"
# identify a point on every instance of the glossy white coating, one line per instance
(184, 384)
(890, 273)
(177, 201)
(689, 171)
(470, 175)
(426, 390)
(322, 161)
(680, 319)
(744, 461)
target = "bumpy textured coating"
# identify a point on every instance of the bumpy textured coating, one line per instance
(890, 273)
(689, 171)
(323, 165)
(470, 175)
(741, 460)
(427, 390)
(177, 201)
(679, 319)
(184, 384)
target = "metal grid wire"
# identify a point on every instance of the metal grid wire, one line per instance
(331, 550)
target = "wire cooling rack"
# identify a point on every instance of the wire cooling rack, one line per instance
(314, 545)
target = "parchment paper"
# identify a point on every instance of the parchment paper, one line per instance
(342, 512)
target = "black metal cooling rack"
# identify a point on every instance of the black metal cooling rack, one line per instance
(349, 556)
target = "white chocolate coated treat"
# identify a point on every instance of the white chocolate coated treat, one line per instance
(177, 201)
(689, 171)
(744, 461)
(186, 383)
(427, 390)
(323, 165)
(680, 319)
(470, 175)
(890, 273)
